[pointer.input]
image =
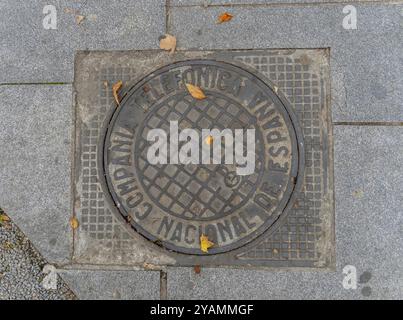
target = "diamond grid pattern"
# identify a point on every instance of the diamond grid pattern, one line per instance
(189, 191)
(296, 239)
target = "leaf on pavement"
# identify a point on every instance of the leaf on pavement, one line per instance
(4, 218)
(168, 42)
(205, 243)
(79, 19)
(115, 90)
(209, 140)
(195, 91)
(74, 223)
(225, 17)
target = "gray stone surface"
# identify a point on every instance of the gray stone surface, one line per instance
(366, 64)
(36, 129)
(29, 53)
(369, 220)
(113, 285)
(21, 268)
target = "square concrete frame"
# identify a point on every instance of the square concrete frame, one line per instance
(306, 237)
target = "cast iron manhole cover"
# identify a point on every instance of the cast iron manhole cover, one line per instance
(171, 202)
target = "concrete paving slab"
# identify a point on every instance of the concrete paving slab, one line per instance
(368, 167)
(365, 62)
(31, 53)
(36, 129)
(21, 268)
(113, 285)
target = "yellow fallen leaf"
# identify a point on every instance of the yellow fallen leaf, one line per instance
(4, 218)
(74, 223)
(205, 243)
(168, 42)
(79, 19)
(195, 91)
(115, 90)
(225, 17)
(209, 140)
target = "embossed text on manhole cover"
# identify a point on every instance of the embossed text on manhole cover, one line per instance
(175, 203)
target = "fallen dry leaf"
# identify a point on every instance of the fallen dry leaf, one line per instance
(79, 19)
(115, 90)
(205, 243)
(197, 269)
(225, 17)
(168, 42)
(195, 91)
(74, 223)
(209, 140)
(4, 218)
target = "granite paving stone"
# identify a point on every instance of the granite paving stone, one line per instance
(113, 285)
(35, 141)
(31, 53)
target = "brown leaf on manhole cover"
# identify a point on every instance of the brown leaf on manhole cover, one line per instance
(205, 243)
(74, 223)
(115, 90)
(195, 91)
(168, 42)
(209, 140)
(79, 19)
(225, 17)
(197, 269)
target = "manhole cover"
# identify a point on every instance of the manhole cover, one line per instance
(173, 187)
